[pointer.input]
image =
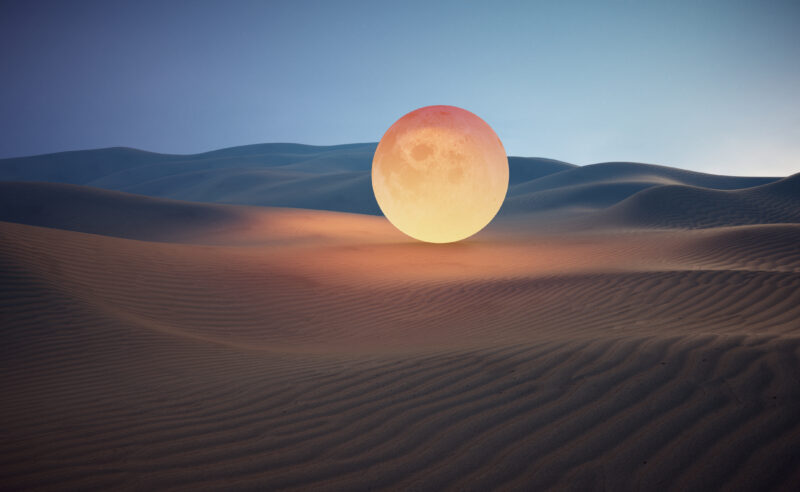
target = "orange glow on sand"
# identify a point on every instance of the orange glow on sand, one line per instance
(440, 174)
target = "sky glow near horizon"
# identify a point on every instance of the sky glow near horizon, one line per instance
(709, 86)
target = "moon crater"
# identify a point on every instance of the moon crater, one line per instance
(440, 174)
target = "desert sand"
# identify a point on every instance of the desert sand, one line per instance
(618, 327)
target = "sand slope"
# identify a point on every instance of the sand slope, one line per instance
(111, 213)
(264, 174)
(591, 188)
(285, 175)
(692, 207)
(326, 351)
(338, 178)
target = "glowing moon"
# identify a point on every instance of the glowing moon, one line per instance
(440, 174)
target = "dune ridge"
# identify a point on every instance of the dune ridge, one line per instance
(678, 206)
(261, 174)
(337, 178)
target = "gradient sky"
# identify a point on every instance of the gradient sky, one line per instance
(706, 85)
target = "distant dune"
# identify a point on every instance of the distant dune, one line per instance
(691, 207)
(281, 175)
(267, 174)
(110, 213)
(598, 186)
(149, 342)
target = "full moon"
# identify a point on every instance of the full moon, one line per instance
(440, 174)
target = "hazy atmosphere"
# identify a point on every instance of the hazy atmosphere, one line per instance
(707, 86)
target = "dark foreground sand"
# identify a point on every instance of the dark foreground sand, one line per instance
(325, 351)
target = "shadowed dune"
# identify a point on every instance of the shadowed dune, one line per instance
(281, 175)
(110, 213)
(594, 187)
(689, 207)
(87, 166)
(583, 197)
(632, 172)
(264, 174)
(524, 169)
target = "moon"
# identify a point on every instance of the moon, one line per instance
(440, 174)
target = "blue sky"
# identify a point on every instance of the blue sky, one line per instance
(706, 85)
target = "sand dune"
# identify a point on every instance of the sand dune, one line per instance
(337, 178)
(584, 197)
(325, 351)
(650, 341)
(111, 213)
(524, 169)
(278, 175)
(598, 186)
(117, 214)
(86, 166)
(690, 207)
(619, 172)
(265, 174)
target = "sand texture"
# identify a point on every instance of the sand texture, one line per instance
(649, 341)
